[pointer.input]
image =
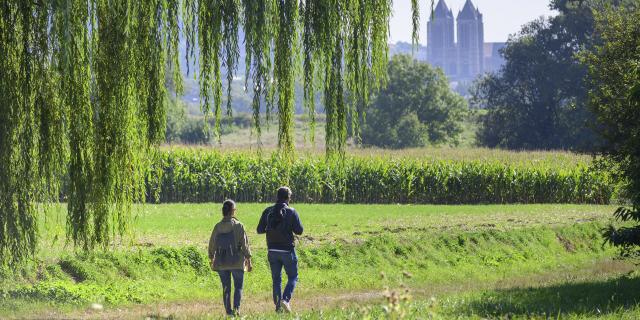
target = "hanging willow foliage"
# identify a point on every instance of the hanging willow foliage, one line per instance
(32, 149)
(83, 84)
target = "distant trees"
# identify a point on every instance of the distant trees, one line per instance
(416, 108)
(186, 128)
(614, 70)
(538, 100)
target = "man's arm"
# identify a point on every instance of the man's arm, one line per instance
(297, 224)
(262, 225)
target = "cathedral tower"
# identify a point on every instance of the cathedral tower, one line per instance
(470, 42)
(441, 50)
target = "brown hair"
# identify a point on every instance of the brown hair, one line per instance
(227, 207)
(284, 194)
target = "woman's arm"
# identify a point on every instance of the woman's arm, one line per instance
(212, 243)
(244, 243)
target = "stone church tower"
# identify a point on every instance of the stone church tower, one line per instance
(470, 42)
(441, 50)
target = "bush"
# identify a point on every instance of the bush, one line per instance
(416, 108)
(195, 131)
(198, 130)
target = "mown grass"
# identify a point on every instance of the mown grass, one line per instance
(181, 224)
(345, 249)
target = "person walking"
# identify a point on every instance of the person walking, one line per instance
(230, 255)
(280, 222)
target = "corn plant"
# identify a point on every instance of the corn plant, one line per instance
(210, 176)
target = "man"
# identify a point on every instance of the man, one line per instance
(229, 253)
(280, 222)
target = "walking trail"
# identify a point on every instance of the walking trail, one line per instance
(305, 301)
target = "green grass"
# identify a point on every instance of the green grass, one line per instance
(467, 254)
(581, 296)
(191, 224)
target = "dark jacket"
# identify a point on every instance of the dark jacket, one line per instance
(229, 224)
(280, 222)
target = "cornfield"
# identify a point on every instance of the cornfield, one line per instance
(210, 176)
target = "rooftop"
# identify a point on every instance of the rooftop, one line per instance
(469, 12)
(442, 10)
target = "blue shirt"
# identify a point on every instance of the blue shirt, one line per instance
(280, 222)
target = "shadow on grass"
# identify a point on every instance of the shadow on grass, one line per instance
(580, 299)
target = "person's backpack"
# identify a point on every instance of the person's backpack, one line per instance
(227, 252)
(276, 225)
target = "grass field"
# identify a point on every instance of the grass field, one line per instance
(242, 140)
(455, 261)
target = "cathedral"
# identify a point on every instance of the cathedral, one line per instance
(465, 59)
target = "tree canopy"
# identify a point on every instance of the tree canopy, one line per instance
(83, 83)
(614, 69)
(416, 107)
(538, 100)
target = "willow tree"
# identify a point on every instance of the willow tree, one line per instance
(83, 83)
(32, 125)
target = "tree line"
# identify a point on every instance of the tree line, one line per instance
(572, 81)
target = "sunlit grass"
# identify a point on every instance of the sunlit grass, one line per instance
(191, 224)
(447, 251)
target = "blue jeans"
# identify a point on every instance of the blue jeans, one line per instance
(238, 279)
(289, 261)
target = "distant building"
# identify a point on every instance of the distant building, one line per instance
(418, 52)
(493, 60)
(467, 58)
(470, 42)
(441, 49)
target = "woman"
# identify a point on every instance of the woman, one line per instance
(230, 255)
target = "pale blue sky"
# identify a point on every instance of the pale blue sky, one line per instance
(501, 17)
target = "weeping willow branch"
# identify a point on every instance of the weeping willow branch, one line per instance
(74, 66)
(83, 84)
(32, 153)
(113, 78)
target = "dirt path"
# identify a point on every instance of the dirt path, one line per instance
(306, 301)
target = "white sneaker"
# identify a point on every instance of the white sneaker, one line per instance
(285, 306)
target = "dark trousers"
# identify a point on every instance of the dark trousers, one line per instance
(238, 279)
(278, 260)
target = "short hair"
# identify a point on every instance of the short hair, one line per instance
(284, 193)
(227, 207)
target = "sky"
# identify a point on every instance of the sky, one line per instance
(501, 17)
